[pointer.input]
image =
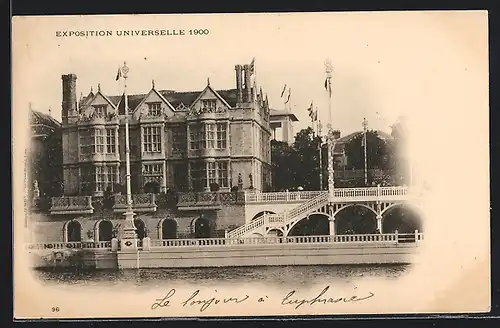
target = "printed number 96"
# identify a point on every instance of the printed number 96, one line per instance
(55, 309)
(199, 32)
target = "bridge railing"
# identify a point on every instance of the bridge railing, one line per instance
(71, 245)
(280, 197)
(341, 194)
(364, 238)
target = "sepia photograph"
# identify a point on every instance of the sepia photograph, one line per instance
(250, 164)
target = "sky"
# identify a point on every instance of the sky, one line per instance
(430, 67)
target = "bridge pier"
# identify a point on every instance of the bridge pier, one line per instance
(379, 223)
(331, 220)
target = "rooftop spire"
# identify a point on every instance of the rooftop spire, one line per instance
(153, 83)
(50, 111)
(208, 81)
(98, 87)
(91, 89)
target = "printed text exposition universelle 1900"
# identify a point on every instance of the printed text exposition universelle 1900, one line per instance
(157, 32)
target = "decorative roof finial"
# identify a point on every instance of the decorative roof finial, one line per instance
(153, 83)
(91, 89)
(98, 87)
(208, 81)
(50, 111)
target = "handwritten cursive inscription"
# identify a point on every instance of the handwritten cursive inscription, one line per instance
(195, 300)
(288, 300)
(205, 303)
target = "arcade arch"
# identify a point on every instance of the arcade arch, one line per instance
(72, 231)
(401, 217)
(103, 230)
(168, 228)
(315, 224)
(355, 219)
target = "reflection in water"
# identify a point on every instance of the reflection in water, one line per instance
(274, 276)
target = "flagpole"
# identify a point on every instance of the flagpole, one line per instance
(129, 230)
(330, 135)
(365, 126)
(320, 156)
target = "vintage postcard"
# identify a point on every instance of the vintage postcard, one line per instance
(250, 164)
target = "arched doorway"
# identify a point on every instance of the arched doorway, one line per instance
(274, 233)
(152, 187)
(140, 229)
(169, 229)
(314, 225)
(258, 215)
(105, 229)
(73, 231)
(201, 228)
(355, 220)
(401, 218)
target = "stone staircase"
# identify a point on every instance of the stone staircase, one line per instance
(281, 221)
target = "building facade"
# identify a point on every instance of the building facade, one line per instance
(282, 125)
(185, 141)
(45, 156)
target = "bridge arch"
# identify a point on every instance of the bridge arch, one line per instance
(72, 231)
(403, 217)
(316, 223)
(355, 219)
(103, 230)
(275, 232)
(167, 228)
(256, 216)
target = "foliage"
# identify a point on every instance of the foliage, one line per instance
(298, 164)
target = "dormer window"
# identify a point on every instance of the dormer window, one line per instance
(155, 109)
(100, 110)
(209, 105)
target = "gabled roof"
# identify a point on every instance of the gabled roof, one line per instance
(209, 88)
(43, 119)
(146, 97)
(174, 98)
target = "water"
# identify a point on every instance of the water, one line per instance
(271, 276)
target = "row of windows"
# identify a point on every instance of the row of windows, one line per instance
(101, 177)
(98, 141)
(203, 174)
(202, 136)
(208, 136)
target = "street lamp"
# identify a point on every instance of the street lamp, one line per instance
(365, 126)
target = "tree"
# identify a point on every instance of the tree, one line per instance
(377, 152)
(307, 159)
(283, 165)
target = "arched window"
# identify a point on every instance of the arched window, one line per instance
(202, 228)
(169, 229)
(105, 230)
(73, 231)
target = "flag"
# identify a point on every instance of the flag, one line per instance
(252, 66)
(289, 94)
(314, 116)
(283, 92)
(310, 110)
(328, 86)
(118, 74)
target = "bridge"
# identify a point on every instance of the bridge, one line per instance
(277, 213)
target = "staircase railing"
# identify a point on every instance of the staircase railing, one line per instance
(278, 218)
(303, 208)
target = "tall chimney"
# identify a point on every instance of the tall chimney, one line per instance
(68, 96)
(239, 84)
(248, 84)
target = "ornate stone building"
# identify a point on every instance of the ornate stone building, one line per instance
(186, 141)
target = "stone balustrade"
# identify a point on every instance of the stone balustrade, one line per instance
(72, 205)
(140, 203)
(209, 199)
